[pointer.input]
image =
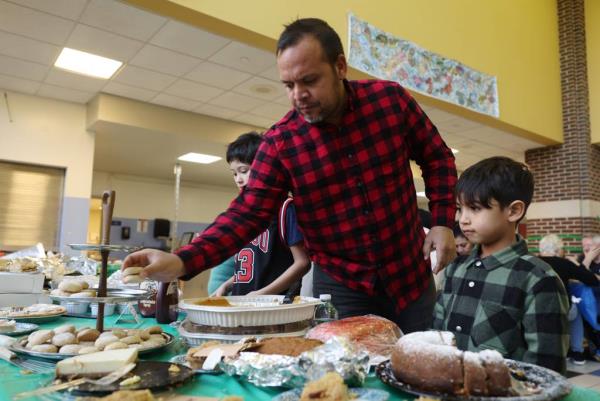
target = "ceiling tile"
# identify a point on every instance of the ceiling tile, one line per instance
(254, 120)
(129, 91)
(215, 111)
(271, 111)
(70, 9)
(163, 60)
(244, 57)
(175, 102)
(217, 75)
(271, 73)
(70, 80)
(236, 102)
(188, 39)
(34, 24)
(142, 78)
(28, 49)
(283, 100)
(22, 69)
(260, 88)
(122, 19)
(192, 90)
(70, 95)
(102, 43)
(18, 84)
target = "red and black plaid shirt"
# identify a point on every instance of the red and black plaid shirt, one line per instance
(353, 192)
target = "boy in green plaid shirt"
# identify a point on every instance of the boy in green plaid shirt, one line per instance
(500, 297)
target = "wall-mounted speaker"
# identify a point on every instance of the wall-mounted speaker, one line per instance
(162, 228)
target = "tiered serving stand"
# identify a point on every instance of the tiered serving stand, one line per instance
(105, 295)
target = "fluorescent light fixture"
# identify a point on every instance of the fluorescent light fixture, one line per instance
(198, 158)
(455, 151)
(87, 63)
(421, 194)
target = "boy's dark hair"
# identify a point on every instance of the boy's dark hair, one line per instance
(319, 29)
(497, 178)
(244, 148)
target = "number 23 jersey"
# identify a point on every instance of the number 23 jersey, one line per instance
(265, 258)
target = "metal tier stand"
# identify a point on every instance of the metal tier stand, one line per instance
(105, 295)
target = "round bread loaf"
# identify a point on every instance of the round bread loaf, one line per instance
(103, 341)
(70, 286)
(39, 337)
(116, 345)
(49, 348)
(63, 339)
(65, 328)
(131, 271)
(70, 349)
(119, 333)
(131, 339)
(88, 335)
(430, 361)
(133, 279)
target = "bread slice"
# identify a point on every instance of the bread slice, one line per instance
(96, 364)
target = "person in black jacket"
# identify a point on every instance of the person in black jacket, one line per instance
(551, 251)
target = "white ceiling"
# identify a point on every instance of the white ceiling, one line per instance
(172, 64)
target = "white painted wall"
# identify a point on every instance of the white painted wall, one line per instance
(149, 198)
(41, 131)
(49, 132)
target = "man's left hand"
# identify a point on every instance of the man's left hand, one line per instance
(441, 240)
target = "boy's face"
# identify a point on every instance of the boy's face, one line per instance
(485, 226)
(463, 246)
(241, 173)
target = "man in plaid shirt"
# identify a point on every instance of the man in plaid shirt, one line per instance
(500, 297)
(344, 152)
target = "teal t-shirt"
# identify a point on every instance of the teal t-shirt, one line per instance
(220, 273)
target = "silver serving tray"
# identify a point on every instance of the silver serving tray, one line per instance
(100, 247)
(19, 349)
(113, 295)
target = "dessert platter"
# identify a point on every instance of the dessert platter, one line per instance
(429, 364)
(65, 341)
(36, 313)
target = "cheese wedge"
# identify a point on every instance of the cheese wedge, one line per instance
(97, 363)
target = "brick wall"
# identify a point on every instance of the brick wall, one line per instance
(570, 171)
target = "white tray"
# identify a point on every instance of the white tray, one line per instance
(195, 339)
(249, 311)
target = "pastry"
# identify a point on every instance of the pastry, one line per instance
(330, 387)
(430, 361)
(96, 364)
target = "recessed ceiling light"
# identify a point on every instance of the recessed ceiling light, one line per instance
(262, 89)
(87, 63)
(198, 158)
(455, 151)
(421, 194)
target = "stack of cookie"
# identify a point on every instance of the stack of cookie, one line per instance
(74, 288)
(131, 275)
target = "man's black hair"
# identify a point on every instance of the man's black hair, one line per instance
(319, 29)
(497, 178)
(244, 148)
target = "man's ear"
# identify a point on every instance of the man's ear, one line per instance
(341, 67)
(516, 211)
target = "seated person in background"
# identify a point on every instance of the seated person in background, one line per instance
(276, 260)
(590, 257)
(500, 297)
(463, 246)
(551, 252)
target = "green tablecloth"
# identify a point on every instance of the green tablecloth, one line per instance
(13, 382)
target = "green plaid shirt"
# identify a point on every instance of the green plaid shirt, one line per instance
(510, 301)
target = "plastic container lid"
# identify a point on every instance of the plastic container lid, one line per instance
(325, 297)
